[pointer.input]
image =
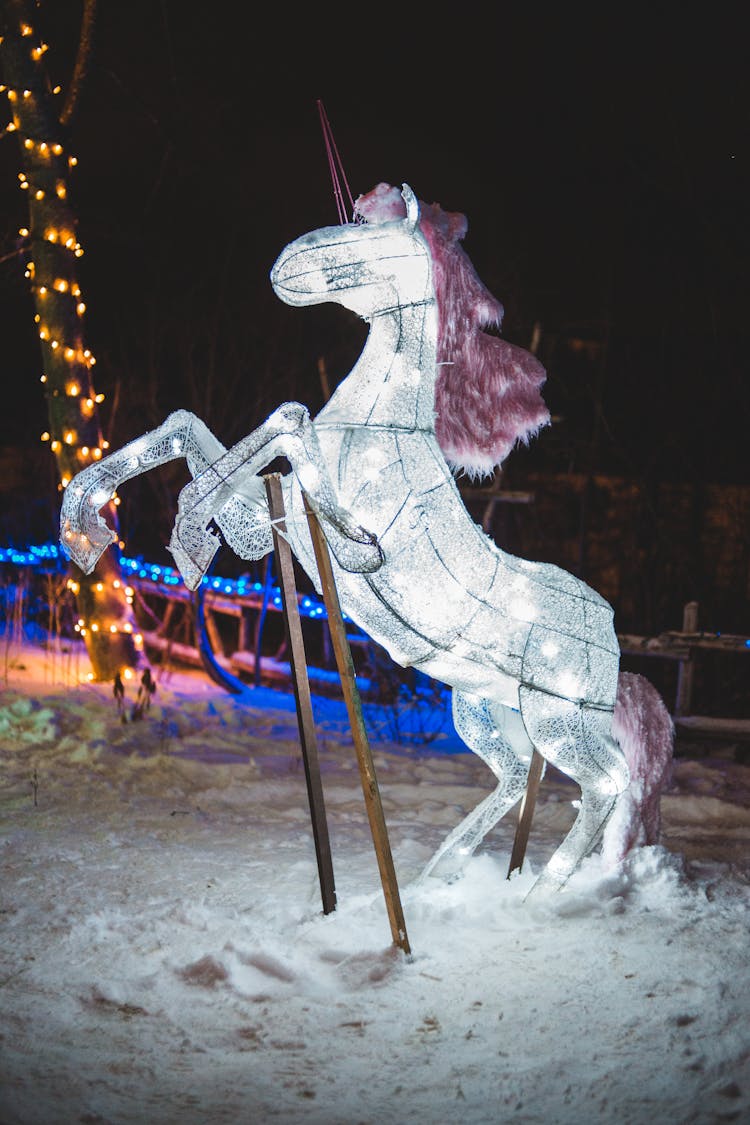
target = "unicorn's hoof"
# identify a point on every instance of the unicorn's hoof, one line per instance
(193, 563)
(448, 869)
(547, 884)
(85, 550)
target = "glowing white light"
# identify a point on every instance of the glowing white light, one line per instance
(374, 461)
(308, 477)
(550, 650)
(569, 685)
(607, 786)
(524, 609)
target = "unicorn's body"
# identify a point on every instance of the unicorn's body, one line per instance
(529, 650)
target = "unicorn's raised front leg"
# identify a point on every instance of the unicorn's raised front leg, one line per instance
(576, 738)
(496, 734)
(244, 519)
(288, 432)
(84, 535)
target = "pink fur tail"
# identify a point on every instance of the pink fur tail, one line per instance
(644, 729)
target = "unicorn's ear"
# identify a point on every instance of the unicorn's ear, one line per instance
(412, 205)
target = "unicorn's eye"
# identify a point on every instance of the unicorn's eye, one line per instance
(341, 276)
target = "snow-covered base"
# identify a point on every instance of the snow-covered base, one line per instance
(164, 957)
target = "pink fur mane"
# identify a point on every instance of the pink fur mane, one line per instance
(487, 394)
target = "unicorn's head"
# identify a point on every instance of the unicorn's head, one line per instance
(366, 267)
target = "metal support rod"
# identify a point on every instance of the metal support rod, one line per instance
(369, 780)
(298, 663)
(526, 813)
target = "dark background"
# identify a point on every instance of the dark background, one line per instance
(601, 159)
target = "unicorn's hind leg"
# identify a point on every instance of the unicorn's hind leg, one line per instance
(496, 734)
(576, 738)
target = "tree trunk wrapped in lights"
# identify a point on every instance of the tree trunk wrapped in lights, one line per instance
(104, 601)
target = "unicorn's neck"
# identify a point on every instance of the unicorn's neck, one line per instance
(393, 382)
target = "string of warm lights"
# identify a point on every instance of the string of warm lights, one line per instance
(52, 250)
(83, 626)
(44, 178)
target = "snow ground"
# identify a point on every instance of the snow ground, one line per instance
(164, 956)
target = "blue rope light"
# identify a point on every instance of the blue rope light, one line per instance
(50, 553)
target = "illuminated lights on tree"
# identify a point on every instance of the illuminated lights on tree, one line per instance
(51, 248)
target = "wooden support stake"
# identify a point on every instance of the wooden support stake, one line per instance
(298, 663)
(526, 813)
(369, 780)
(684, 699)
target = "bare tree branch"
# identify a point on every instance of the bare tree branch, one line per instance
(85, 47)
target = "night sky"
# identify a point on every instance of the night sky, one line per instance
(601, 160)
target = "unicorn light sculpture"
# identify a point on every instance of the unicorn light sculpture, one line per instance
(529, 650)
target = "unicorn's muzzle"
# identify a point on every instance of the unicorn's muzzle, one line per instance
(329, 266)
(302, 275)
(288, 277)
